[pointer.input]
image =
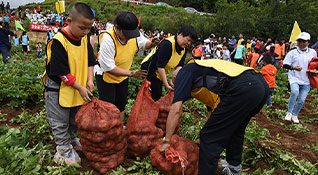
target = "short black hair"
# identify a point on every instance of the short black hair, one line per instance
(188, 30)
(81, 9)
(243, 42)
(268, 60)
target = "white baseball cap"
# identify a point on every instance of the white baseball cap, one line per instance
(304, 36)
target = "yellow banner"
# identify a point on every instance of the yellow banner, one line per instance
(295, 32)
(60, 6)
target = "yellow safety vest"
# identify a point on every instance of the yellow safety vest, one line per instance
(123, 57)
(78, 64)
(205, 95)
(174, 59)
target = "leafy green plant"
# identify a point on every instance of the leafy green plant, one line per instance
(20, 82)
(190, 126)
(138, 167)
(36, 125)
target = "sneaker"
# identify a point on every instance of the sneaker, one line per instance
(227, 169)
(295, 119)
(76, 144)
(288, 116)
(67, 154)
(222, 164)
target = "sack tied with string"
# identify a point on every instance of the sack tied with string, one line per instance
(103, 138)
(181, 158)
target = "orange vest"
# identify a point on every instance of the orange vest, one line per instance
(280, 50)
(254, 59)
(197, 52)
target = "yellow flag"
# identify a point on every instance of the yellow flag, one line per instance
(60, 6)
(295, 32)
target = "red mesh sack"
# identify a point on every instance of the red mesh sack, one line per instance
(313, 72)
(181, 157)
(164, 104)
(103, 138)
(142, 133)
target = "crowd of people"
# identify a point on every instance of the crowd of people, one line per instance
(241, 50)
(233, 93)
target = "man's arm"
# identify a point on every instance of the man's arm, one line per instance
(172, 122)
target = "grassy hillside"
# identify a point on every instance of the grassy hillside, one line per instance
(168, 19)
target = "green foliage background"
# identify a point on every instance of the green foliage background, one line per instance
(261, 18)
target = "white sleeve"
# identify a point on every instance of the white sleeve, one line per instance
(288, 59)
(142, 41)
(107, 54)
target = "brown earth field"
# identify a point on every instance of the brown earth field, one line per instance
(290, 141)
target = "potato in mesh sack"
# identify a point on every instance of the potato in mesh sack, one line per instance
(142, 133)
(181, 156)
(103, 138)
(164, 104)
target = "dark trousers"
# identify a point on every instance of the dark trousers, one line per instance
(155, 87)
(5, 54)
(231, 50)
(244, 97)
(113, 93)
(238, 61)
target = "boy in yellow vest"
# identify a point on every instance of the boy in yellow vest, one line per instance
(169, 54)
(69, 80)
(118, 46)
(241, 93)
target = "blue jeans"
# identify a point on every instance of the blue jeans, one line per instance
(299, 93)
(39, 54)
(276, 62)
(269, 100)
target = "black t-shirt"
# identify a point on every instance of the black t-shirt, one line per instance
(184, 81)
(59, 60)
(162, 56)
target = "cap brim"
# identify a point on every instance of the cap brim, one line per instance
(131, 33)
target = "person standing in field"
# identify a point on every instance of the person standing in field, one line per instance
(296, 62)
(269, 74)
(5, 45)
(25, 42)
(240, 53)
(39, 50)
(118, 46)
(69, 80)
(169, 55)
(235, 93)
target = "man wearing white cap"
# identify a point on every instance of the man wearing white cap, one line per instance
(297, 61)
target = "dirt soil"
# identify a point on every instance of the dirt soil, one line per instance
(287, 140)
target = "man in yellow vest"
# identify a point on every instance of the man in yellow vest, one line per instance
(69, 80)
(242, 93)
(169, 54)
(117, 49)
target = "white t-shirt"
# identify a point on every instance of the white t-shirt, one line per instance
(107, 53)
(208, 50)
(297, 57)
